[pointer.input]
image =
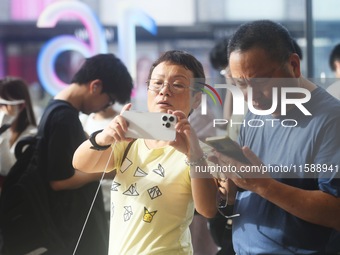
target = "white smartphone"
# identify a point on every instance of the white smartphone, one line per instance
(151, 125)
(227, 146)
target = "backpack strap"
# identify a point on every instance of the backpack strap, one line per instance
(127, 149)
(22, 145)
(124, 156)
(25, 141)
(46, 115)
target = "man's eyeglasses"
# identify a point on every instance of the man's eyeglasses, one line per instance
(175, 88)
(111, 101)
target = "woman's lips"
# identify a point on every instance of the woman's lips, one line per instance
(164, 103)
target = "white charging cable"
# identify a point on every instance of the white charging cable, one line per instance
(94, 199)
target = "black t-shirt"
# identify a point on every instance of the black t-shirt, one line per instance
(63, 134)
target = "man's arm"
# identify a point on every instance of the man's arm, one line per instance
(314, 206)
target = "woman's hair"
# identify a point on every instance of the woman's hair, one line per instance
(186, 60)
(13, 88)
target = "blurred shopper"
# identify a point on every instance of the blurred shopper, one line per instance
(221, 227)
(71, 193)
(334, 60)
(334, 63)
(92, 89)
(16, 119)
(98, 120)
(219, 61)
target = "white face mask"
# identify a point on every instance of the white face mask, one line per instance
(6, 118)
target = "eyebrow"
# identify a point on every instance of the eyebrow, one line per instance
(172, 77)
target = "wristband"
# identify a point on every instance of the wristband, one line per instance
(95, 145)
(195, 163)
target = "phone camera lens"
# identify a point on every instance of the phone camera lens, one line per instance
(167, 124)
(171, 119)
(164, 118)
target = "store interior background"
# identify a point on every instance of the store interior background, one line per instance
(191, 25)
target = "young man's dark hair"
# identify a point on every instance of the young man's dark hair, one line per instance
(111, 71)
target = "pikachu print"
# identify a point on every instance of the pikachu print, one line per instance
(148, 216)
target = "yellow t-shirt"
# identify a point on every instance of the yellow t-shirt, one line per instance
(151, 202)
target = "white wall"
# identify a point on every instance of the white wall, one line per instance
(164, 12)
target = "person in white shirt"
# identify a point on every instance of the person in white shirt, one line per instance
(17, 119)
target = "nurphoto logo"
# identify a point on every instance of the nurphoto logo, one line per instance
(281, 97)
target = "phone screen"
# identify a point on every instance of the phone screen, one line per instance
(228, 147)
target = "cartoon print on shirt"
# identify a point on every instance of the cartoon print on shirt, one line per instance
(160, 170)
(148, 216)
(140, 173)
(128, 213)
(125, 165)
(114, 186)
(154, 192)
(131, 191)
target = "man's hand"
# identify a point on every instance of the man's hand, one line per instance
(246, 176)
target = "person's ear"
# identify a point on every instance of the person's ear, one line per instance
(96, 86)
(294, 61)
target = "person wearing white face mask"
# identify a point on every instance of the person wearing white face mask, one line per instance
(10, 112)
(16, 119)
